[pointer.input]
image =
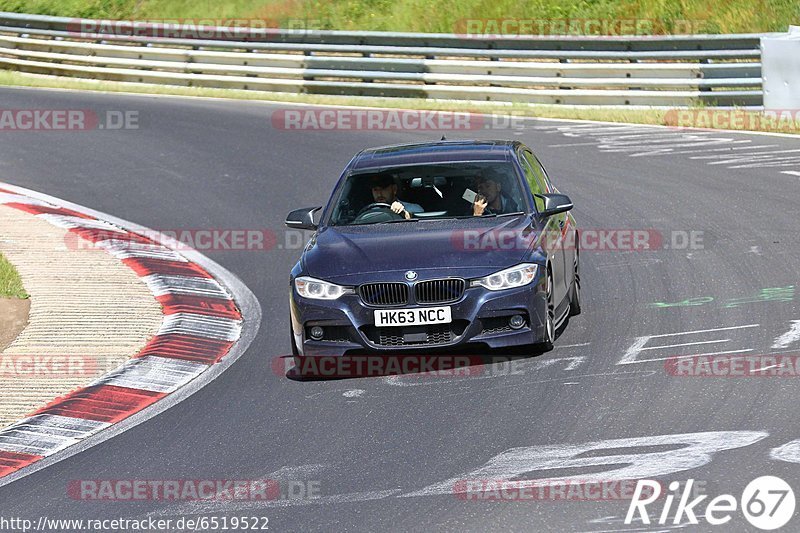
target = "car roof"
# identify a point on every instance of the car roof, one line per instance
(432, 152)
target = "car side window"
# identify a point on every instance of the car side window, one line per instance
(545, 177)
(535, 177)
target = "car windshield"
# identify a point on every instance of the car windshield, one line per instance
(428, 192)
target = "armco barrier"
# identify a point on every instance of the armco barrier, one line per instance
(660, 71)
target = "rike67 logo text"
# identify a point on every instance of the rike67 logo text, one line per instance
(767, 503)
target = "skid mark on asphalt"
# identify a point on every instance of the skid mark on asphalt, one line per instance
(726, 149)
(753, 160)
(619, 376)
(502, 369)
(640, 344)
(622, 459)
(639, 141)
(611, 520)
(788, 338)
(566, 145)
(782, 340)
(574, 362)
(298, 472)
(203, 507)
(561, 364)
(561, 359)
(639, 262)
(333, 392)
(561, 347)
(285, 475)
(227, 506)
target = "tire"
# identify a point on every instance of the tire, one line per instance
(550, 330)
(298, 359)
(295, 351)
(575, 293)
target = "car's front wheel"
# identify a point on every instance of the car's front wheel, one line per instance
(550, 316)
(575, 297)
(298, 359)
(295, 351)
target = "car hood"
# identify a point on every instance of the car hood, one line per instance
(463, 247)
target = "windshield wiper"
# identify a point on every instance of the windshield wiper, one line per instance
(396, 221)
(486, 215)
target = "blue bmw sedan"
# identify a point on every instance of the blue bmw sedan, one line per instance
(435, 245)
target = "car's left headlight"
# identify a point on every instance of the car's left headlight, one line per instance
(516, 276)
(316, 289)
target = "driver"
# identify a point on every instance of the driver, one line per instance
(384, 190)
(490, 198)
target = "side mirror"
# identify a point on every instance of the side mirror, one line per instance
(302, 218)
(554, 204)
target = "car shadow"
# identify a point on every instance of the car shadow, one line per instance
(463, 361)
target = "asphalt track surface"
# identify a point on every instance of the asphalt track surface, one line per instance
(372, 444)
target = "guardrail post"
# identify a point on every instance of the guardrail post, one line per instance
(780, 70)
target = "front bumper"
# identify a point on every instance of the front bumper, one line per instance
(480, 317)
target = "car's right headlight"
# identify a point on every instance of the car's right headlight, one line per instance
(316, 289)
(516, 276)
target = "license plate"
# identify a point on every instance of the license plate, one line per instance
(412, 317)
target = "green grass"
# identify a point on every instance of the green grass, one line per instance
(447, 16)
(10, 282)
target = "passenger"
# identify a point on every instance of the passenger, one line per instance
(490, 199)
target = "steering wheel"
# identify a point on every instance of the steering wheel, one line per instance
(376, 212)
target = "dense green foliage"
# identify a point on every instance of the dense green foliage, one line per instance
(447, 16)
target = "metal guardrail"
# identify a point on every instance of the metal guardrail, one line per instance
(662, 71)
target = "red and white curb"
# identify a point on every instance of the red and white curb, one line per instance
(210, 318)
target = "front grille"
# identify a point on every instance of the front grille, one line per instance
(384, 293)
(438, 291)
(430, 335)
